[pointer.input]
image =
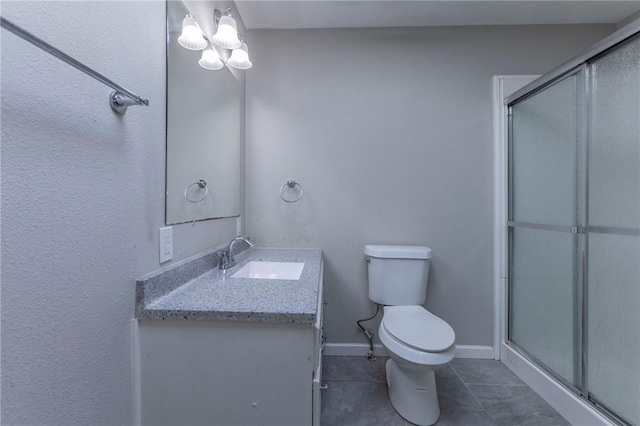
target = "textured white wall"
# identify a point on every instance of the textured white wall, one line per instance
(82, 201)
(389, 131)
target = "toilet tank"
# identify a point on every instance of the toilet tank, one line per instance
(398, 274)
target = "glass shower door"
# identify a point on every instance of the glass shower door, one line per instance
(546, 162)
(574, 228)
(613, 310)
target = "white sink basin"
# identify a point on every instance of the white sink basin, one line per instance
(270, 270)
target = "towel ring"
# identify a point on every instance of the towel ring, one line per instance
(291, 183)
(202, 184)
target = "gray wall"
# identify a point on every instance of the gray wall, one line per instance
(389, 131)
(82, 201)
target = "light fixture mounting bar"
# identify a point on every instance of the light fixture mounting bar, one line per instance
(217, 15)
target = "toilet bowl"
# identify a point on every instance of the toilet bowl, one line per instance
(417, 343)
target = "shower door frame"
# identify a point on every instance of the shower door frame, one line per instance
(541, 378)
(577, 229)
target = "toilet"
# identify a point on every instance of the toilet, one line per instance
(416, 341)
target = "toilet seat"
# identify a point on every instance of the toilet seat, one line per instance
(417, 328)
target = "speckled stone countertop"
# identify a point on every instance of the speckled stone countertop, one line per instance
(196, 289)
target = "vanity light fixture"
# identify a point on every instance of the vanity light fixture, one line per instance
(226, 35)
(210, 59)
(192, 37)
(240, 58)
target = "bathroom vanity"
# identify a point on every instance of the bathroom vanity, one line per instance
(231, 348)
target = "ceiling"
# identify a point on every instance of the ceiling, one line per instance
(260, 14)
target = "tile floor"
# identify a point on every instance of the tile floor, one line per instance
(471, 392)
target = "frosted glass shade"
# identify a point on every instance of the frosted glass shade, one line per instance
(210, 59)
(227, 34)
(191, 37)
(240, 58)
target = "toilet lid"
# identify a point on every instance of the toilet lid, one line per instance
(416, 327)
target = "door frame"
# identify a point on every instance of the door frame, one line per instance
(503, 86)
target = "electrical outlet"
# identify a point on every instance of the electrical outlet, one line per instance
(238, 226)
(166, 244)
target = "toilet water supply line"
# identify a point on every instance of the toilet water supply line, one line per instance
(369, 334)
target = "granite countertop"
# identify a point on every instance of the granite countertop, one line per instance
(196, 289)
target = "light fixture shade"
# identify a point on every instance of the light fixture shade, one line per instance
(240, 58)
(191, 37)
(210, 59)
(227, 34)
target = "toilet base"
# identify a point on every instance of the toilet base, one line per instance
(412, 391)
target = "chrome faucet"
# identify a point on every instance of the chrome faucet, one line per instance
(227, 260)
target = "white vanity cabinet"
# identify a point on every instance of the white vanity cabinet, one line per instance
(216, 372)
(318, 347)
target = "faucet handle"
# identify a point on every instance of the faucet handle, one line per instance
(227, 260)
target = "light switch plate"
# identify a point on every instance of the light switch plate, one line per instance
(166, 244)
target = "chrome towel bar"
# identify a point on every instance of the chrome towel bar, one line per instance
(116, 99)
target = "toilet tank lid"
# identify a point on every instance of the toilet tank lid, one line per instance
(398, 252)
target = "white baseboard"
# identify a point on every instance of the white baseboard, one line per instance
(361, 349)
(570, 406)
(352, 349)
(475, 351)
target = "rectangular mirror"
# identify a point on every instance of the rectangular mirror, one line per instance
(204, 110)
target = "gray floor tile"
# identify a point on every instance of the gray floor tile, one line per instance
(452, 393)
(516, 405)
(353, 368)
(455, 417)
(485, 372)
(358, 404)
(471, 392)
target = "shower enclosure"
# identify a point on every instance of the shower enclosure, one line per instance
(574, 226)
